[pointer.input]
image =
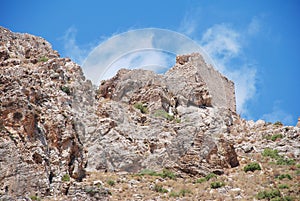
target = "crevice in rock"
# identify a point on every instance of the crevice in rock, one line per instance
(51, 175)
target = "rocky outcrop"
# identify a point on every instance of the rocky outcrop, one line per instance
(151, 121)
(43, 99)
(254, 137)
(58, 133)
(54, 130)
(193, 69)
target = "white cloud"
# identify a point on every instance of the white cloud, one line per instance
(71, 47)
(143, 59)
(148, 46)
(245, 79)
(224, 44)
(221, 41)
(188, 25)
(254, 26)
(278, 114)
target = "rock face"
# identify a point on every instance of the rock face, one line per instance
(150, 121)
(193, 69)
(56, 129)
(41, 132)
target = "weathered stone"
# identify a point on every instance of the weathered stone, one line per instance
(298, 123)
(193, 69)
(42, 134)
(173, 132)
(55, 126)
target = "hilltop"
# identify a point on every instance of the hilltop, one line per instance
(137, 136)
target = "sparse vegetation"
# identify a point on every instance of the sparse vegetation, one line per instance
(278, 123)
(275, 137)
(283, 186)
(164, 174)
(66, 178)
(283, 176)
(160, 189)
(200, 180)
(280, 160)
(182, 192)
(34, 197)
(285, 161)
(66, 89)
(206, 178)
(270, 153)
(174, 194)
(43, 59)
(168, 174)
(166, 115)
(274, 193)
(141, 107)
(148, 172)
(111, 182)
(210, 176)
(252, 167)
(217, 184)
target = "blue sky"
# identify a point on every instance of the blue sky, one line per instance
(255, 43)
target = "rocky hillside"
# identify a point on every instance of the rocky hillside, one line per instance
(138, 136)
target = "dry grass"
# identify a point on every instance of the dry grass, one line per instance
(239, 185)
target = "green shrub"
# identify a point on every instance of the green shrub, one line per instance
(278, 123)
(183, 192)
(252, 167)
(216, 184)
(282, 176)
(276, 136)
(167, 174)
(274, 193)
(148, 172)
(285, 161)
(210, 176)
(174, 194)
(66, 178)
(91, 190)
(178, 120)
(43, 59)
(288, 198)
(280, 160)
(271, 153)
(111, 182)
(34, 197)
(66, 89)
(200, 180)
(160, 189)
(283, 186)
(206, 178)
(164, 114)
(141, 107)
